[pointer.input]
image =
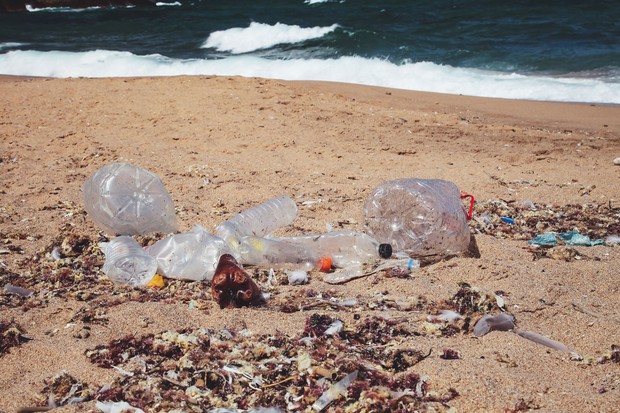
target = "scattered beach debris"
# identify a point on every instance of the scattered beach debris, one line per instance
(595, 221)
(232, 286)
(11, 335)
(399, 267)
(542, 340)
(63, 389)
(355, 368)
(297, 277)
(488, 323)
(117, 407)
(334, 391)
(13, 289)
(554, 239)
(505, 322)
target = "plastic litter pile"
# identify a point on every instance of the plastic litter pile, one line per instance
(405, 218)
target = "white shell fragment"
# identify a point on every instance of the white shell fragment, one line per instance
(617, 161)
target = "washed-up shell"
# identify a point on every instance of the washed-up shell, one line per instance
(617, 161)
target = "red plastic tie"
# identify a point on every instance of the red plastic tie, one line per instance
(469, 214)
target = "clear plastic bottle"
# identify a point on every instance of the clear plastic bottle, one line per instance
(278, 253)
(258, 221)
(419, 216)
(127, 200)
(126, 263)
(190, 255)
(345, 248)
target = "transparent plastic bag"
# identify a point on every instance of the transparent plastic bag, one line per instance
(190, 255)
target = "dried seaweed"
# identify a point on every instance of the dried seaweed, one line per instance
(530, 219)
(11, 335)
(196, 370)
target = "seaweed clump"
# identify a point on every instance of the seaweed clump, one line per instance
(11, 335)
(528, 219)
(198, 370)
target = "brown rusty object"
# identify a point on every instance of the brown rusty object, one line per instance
(231, 286)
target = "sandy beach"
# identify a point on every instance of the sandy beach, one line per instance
(222, 145)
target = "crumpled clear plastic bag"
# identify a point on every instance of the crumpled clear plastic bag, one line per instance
(190, 255)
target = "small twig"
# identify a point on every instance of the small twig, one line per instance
(279, 382)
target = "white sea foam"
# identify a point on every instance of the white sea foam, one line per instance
(164, 4)
(259, 36)
(61, 9)
(10, 45)
(320, 1)
(424, 76)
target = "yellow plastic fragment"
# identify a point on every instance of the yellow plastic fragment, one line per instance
(157, 281)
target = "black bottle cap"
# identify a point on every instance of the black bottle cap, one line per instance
(385, 250)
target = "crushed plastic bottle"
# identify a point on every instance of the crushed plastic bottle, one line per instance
(258, 221)
(345, 248)
(279, 253)
(190, 255)
(126, 263)
(422, 217)
(127, 200)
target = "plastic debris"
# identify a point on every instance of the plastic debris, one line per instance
(334, 392)
(13, 289)
(505, 322)
(488, 323)
(508, 220)
(540, 339)
(190, 255)
(298, 277)
(117, 407)
(341, 276)
(127, 200)
(126, 263)
(232, 286)
(423, 217)
(573, 238)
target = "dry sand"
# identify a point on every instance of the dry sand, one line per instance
(222, 145)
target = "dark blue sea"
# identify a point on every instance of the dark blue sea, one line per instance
(539, 50)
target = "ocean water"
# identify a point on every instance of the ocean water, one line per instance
(538, 50)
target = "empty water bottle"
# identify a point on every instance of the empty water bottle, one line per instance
(126, 263)
(258, 221)
(419, 216)
(127, 200)
(345, 248)
(279, 253)
(190, 255)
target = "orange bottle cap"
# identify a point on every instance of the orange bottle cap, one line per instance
(325, 264)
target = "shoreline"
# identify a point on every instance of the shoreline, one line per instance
(224, 144)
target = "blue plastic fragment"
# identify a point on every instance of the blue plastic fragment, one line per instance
(574, 238)
(508, 220)
(548, 239)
